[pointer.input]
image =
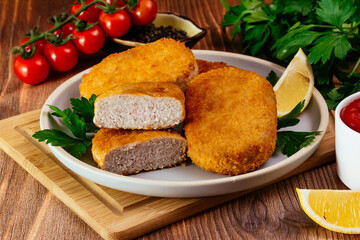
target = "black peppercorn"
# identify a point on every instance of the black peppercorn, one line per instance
(150, 33)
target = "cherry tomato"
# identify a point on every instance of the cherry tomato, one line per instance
(67, 29)
(38, 44)
(118, 3)
(32, 70)
(90, 15)
(144, 13)
(56, 32)
(89, 41)
(351, 115)
(61, 58)
(116, 24)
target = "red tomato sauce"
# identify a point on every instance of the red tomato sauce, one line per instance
(351, 115)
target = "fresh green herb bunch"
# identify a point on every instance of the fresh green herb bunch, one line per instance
(79, 121)
(327, 31)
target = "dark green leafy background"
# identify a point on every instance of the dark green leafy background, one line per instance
(326, 30)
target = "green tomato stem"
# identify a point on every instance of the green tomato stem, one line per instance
(322, 26)
(354, 68)
(42, 35)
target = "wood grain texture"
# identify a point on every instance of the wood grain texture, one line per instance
(29, 211)
(114, 214)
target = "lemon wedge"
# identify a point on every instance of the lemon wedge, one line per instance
(336, 210)
(294, 85)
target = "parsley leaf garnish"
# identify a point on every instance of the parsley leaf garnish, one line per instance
(289, 142)
(78, 121)
(272, 78)
(335, 12)
(326, 45)
(289, 119)
(72, 121)
(303, 7)
(74, 146)
(84, 107)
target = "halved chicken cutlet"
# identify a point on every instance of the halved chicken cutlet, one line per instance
(131, 151)
(165, 60)
(230, 123)
(146, 105)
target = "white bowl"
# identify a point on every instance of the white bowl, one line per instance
(347, 145)
(193, 32)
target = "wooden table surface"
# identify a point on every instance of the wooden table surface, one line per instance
(29, 211)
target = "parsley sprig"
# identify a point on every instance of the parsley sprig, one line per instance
(327, 31)
(79, 120)
(289, 142)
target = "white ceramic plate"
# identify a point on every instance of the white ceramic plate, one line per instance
(191, 181)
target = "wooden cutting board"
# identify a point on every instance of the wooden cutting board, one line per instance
(112, 213)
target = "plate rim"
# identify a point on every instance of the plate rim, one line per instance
(324, 119)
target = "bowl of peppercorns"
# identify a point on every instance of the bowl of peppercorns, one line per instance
(165, 25)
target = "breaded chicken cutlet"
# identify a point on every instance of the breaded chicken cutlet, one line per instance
(131, 151)
(205, 66)
(146, 105)
(231, 121)
(165, 60)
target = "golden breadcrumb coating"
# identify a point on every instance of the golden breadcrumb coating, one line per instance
(146, 89)
(165, 60)
(106, 140)
(230, 123)
(205, 66)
